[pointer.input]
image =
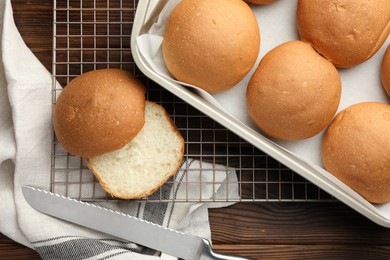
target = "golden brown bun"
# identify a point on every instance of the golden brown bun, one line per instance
(294, 93)
(356, 149)
(347, 32)
(261, 2)
(99, 112)
(385, 71)
(211, 44)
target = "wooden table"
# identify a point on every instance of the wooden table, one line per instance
(271, 230)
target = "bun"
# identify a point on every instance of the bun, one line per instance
(211, 44)
(294, 93)
(385, 71)
(144, 164)
(261, 2)
(356, 149)
(346, 32)
(99, 112)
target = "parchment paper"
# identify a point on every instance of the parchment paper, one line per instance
(277, 24)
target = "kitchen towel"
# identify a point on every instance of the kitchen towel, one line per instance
(25, 159)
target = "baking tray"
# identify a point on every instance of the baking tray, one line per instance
(96, 34)
(146, 15)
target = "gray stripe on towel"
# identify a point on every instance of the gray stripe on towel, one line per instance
(85, 248)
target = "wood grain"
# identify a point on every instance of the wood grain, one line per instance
(11, 250)
(294, 223)
(285, 252)
(256, 230)
(34, 20)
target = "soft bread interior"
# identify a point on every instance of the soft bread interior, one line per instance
(143, 165)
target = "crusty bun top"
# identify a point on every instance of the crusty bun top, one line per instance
(356, 149)
(99, 111)
(385, 71)
(211, 44)
(347, 32)
(294, 93)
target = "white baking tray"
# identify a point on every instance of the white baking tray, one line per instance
(146, 15)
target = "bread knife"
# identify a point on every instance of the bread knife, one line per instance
(121, 225)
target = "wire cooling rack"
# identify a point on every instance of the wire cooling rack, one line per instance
(95, 34)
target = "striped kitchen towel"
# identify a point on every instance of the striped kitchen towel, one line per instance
(186, 217)
(25, 159)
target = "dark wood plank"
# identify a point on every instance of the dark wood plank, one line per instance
(294, 223)
(285, 252)
(12, 250)
(34, 20)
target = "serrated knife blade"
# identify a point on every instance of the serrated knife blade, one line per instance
(175, 243)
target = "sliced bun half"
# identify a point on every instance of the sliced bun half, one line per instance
(144, 164)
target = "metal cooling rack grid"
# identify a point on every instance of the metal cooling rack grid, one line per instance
(94, 34)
